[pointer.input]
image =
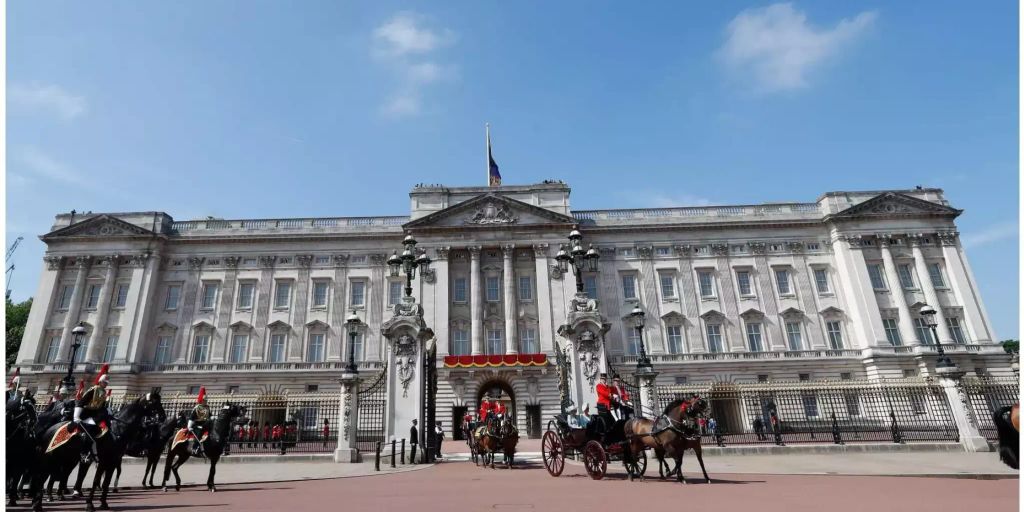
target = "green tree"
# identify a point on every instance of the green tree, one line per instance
(1011, 346)
(17, 317)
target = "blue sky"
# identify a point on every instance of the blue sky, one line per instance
(277, 109)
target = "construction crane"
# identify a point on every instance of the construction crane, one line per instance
(10, 268)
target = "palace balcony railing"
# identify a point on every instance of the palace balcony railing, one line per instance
(312, 225)
(794, 211)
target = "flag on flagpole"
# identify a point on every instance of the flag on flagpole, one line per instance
(493, 176)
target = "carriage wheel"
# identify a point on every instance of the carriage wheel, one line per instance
(595, 460)
(554, 455)
(637, 467)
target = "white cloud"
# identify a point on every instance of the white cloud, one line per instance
(408, 46)
(777, 48)
(993, 233)
(405, 34)
(40, 164)
(50, 98)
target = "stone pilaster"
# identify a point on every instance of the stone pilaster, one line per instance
(373, 346)
(261, 346)
(545, 327)
(965, 288)
(82, 264)
(688, 296)
(905, 322)
(510, 299)
(300, 303)
(925, 282)
(187, 308)
(476, 301)
(141, 308)
(649, 284)
(348, 419)
(44, 304)
(221, 343)
(441, 300)
(98, 341)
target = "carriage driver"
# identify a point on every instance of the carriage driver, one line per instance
(620, 400)
(604, 397)
(198, 421)
(500, 410)
(90, 410)
(485, 410)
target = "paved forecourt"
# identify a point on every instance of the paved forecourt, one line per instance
(464, 487)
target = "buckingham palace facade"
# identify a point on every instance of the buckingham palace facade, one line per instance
(820, 290)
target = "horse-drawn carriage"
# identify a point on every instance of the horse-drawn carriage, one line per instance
(601, 441)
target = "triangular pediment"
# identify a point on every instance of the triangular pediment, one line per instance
(491, 211)
(791, 313)
(278, 325)
(713, 314)
(100, 226)
(752, 313)
(895, 204)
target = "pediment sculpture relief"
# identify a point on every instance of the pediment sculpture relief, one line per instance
(492, 213)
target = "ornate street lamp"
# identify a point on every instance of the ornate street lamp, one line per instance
(408, 262)
(352, 323)
(581, 260)
(943, 364)
(643, 363)
(77, 332)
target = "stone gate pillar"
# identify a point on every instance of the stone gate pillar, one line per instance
(348, 419)
(585, 329)
(963, 414)
(648, 396)
(408, 335)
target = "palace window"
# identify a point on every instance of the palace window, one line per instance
(743, 281)
(52, 349)
(794, 336)
(315, 352)
(80, 355)
(357, 346)
(394, 292)
(668, 285)
(493, 289)
(201, 349)
(110, 349)
(320, 289)
(706, 280)
(633, 342)
(782, 280)
(675, 339)
(662, 251)
(906, 275)
(629, 286)
(66, 292)
(245, 293)
(877, 279)
(459, 290)
(955, 330)
(892, 331)
(935, 272)
(821, 280)
(209, 296)
(810, 405)
(494, 341)
(163, 350)
(121, 298)
(94, 296)
(460, 343)
(525, 288)
(924, 333)
(358, 297)
(590, 286)
(277, 346)
(239, 345)
(528, 341)
(754, 337)
(714, 332)
(283, 294)
(173, 294)
(835, 334)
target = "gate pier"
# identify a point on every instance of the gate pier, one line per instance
(348, 419)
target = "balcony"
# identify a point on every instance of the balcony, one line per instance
(311, 226)
(701, 214)
(745, 356)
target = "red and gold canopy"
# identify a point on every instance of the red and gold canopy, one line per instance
(491, 361)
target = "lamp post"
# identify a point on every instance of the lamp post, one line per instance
(408, 262)
(352, 323)
(581, 260)
(643, 363)
(77, 332)
(944, 365)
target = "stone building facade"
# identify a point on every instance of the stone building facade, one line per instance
(825, 289)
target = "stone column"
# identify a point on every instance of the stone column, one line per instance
(262, 299)
(300, 305)
(859, 295)
(374, 348)
(187, 307)
(649, 283)
(648, 395)
(97, 342)
(440, 282)
(688, 298)
(348, 419)
(545, 328)
(141, 308)
(510, 299)
(925, 282)
(74, 309)
(221, 344)
(772, 331)
(337, 307)
(965, 288)
(960, 405)
(44, 304)
(476, 300)
(896, 290)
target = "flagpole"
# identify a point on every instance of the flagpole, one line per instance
(487, 166)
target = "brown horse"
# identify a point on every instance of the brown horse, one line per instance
(502, 439)
(669, 435)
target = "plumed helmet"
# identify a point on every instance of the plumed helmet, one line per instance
(102, 376)
(15, 379)
(202, 395)
(81, 388)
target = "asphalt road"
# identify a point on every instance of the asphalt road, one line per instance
(460, 486)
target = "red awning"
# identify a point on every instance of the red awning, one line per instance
(485, 361)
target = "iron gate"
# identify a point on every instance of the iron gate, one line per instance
(427, 431)
(372, 402)
(985, 396)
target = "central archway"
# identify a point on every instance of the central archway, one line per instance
(502, 391)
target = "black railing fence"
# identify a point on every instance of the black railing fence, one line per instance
(985, 395)
(372, 400)
(820, 412)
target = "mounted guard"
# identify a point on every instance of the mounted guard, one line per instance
(198, 422)
(91, 414)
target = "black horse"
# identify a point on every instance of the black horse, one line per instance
(20, 414)
(151, 445)
(212, 446)
(109, 448)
